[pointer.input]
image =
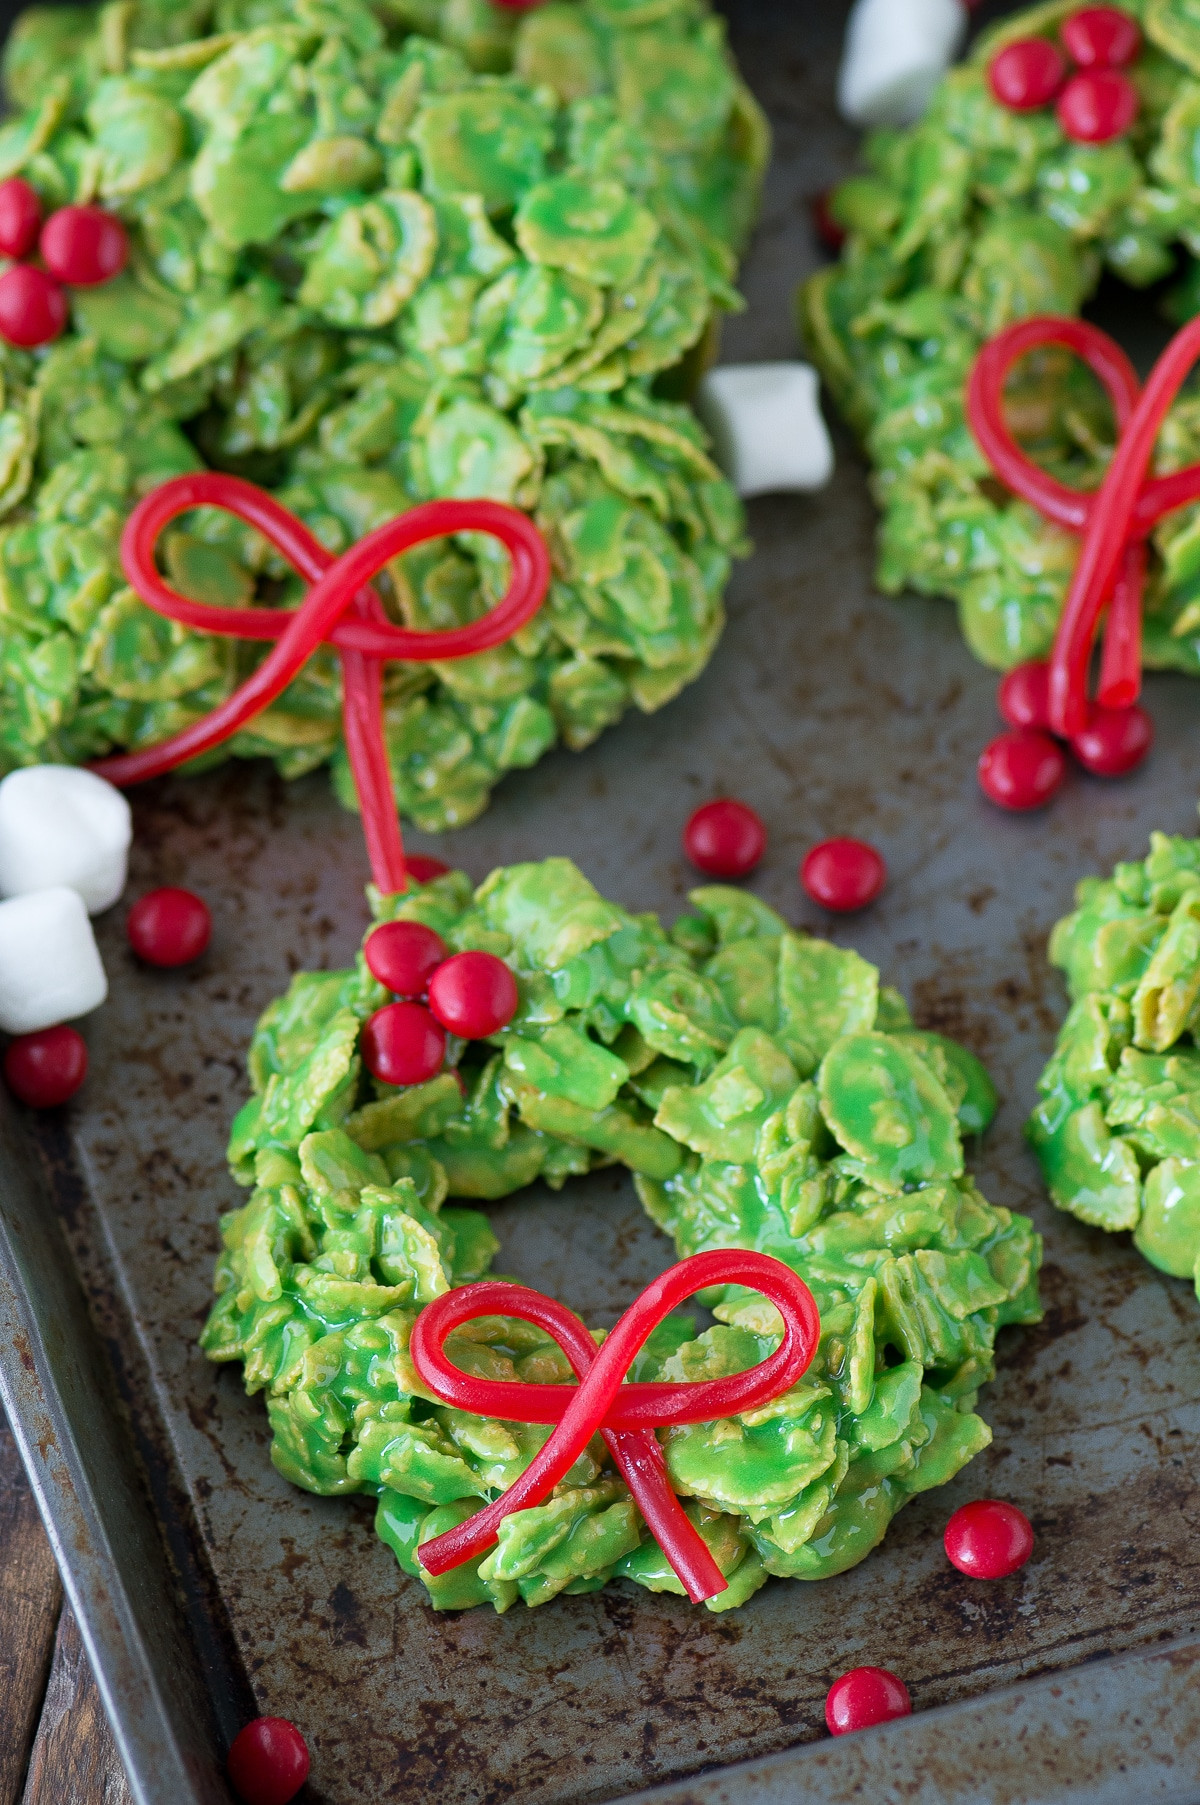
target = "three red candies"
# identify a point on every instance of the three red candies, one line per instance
(79, 247)
(470, 995)
(1097, 101)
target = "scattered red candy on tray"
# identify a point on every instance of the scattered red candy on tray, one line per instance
(33, 308)
(865, 1696)
(1101, 37)
(1026, 75)
(1097, 105)
(20, 217)
(1024, 695)
(1114, 741)
(402, 1044)
(843, 875)
(422, 868)
(1021, 770)
(473, 995)
(404, 955)
(169, 927)
(725, 838)
(84, 246)
(268, 1762)
(46, 1068)
(988, 1539)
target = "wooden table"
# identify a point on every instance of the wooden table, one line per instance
(55, 1743)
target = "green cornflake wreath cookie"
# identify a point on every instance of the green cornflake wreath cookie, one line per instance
(764, 1091)
(970, 220)
(379, 254)
(1117, 1129)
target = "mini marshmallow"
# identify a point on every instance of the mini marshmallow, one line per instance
(60, 825)
(896, 52)
(50, 968)
(766, 425)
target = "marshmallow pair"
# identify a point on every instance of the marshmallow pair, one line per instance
(895, 54)
(64, 845)
(766, 426)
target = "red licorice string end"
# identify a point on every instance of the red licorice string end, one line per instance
(341, 610)
(625, 1414)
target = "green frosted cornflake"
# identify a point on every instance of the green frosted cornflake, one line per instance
(594, 229)
(887, 1109)
(370, 260)
(490, 140)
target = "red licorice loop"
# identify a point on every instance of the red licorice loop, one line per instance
(1112, 520)
(341, 610)
(625, 1414)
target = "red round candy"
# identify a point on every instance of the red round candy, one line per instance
(404, 955)
(1115, 740)
(988, 1539)
(843, 874)
(33, 308)
(1021, 770)
(865, 1696)
(1027, 74)
(1101, 37)
(268, 1763)
(473, 995)
(20, 217)
(830, 231)
(169, 927)
(1024, 695)
(1097, 105)
(725, 838)
(402, 1044)
(84, 246)
(46, 1068)
(423, 869)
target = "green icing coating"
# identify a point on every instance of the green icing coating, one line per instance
(960, 225)
(380, 253)
(1117, 1129)
(764, 1091)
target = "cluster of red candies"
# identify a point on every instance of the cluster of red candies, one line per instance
(166, 927)
(727, 838)
(471, 995)
(1022, 769)
(1094, 103)
(79, 247)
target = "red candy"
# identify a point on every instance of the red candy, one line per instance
(988, 1539)
(725, 838)
(1024, 695)
(46, 1068)
(1097, 105)
(830, 231)
(1114, 740)
(865, 1696)
(84, 246)
(20, 217)
(404, 955)
(1101, 37)
(843, 874)
(473, 995)
(1021, 770)
(423, 869)
(1026, 75)
(268, 1763)
(402, 1044)
(169, 927)
(33, 308)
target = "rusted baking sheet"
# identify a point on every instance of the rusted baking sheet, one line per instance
(833, 710)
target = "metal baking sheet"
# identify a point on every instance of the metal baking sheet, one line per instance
(209, 1587)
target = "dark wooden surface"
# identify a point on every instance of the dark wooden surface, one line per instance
(55, 1745)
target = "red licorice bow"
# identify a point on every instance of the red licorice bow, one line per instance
(342, 610)
(625, 1414)
(1113, 520)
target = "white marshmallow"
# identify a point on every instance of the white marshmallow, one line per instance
(60, 825)
(896, 52)
(766, 425)
(50, 968)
